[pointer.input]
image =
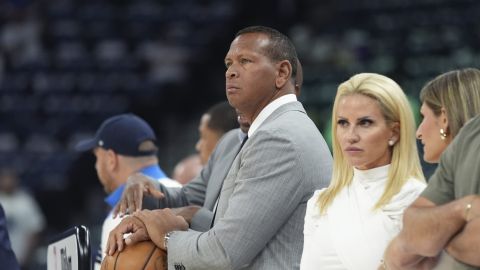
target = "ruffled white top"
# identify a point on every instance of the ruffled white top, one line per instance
(351, 235)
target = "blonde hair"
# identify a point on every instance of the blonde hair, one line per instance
(458, 92)
(395, 108)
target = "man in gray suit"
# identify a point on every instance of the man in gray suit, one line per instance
(260, 211)
(204, 189)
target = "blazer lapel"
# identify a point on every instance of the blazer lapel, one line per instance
(226, 164)
(229, 183)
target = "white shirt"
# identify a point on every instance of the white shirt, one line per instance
(268, 110)
(24, 218)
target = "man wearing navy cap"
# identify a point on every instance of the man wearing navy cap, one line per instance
(123, 145)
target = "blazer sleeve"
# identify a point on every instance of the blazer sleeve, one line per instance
(195, 192)
(192, 193)
(202, 220)
(268, 188)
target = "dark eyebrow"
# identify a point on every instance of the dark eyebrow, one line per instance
(365, 118)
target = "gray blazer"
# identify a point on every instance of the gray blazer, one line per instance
(204, 189)
(260, 216)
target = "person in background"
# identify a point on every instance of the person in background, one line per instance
(219, 119)
(214, 123)
(123, 145)
(258, 219)
(376, 175)
(441, 225)
(187, 169)
(448, 102)
(25, 220)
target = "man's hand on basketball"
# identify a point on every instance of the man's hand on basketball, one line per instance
(158, 223)
(131, 225)
(137, 185)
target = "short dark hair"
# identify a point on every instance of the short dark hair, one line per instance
(222, 117)
(281, 47)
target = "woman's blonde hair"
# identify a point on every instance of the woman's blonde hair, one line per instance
(458, 92)
(395, 108)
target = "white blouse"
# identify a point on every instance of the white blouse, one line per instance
(350, 235)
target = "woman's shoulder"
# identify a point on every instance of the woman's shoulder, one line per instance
(410, 190)
(414, 184)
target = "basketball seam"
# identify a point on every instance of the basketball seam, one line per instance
(116, 259)
(149, 256)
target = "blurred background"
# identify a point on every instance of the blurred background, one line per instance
(66, 65)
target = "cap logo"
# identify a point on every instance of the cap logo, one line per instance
(100, 143)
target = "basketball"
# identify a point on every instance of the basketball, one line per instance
(141, 256)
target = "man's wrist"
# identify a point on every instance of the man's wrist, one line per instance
(468, 209)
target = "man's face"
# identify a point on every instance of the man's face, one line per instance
(102, 169)
(250, 75)
(207, 141)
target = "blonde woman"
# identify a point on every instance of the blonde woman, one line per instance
(376, 175)
(448, 102)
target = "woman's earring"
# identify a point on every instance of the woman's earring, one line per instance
(443, 134)
(391, 142)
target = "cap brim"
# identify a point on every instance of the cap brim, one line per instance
(86, 145)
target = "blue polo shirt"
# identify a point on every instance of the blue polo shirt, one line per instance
(152, 171)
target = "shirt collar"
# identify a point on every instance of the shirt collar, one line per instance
(152, 171)
(371, 175)
(268, 110)
(241, 135)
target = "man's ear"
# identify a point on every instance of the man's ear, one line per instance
(112, 160)
(284, 72)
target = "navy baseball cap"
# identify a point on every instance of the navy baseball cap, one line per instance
(123, 134)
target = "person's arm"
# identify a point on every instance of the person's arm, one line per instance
(137, 186)
(426, 231)
(145, 225)
(187, 212)
(193, 193)
(437, 216)
(465, 245)
(141, 189)
(201, 220)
